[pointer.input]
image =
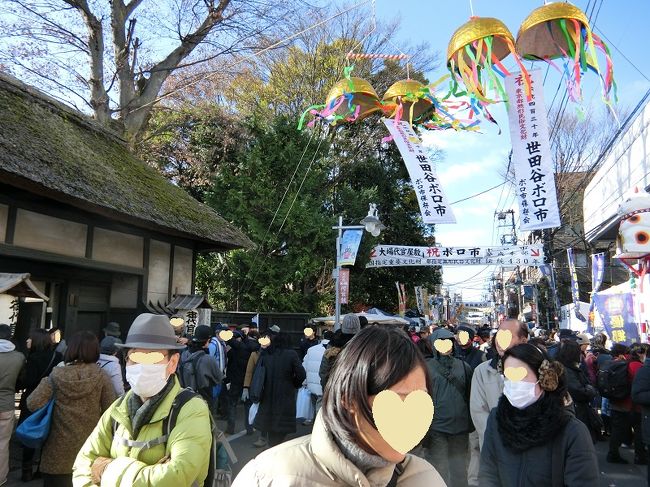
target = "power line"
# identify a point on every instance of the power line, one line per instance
(277, 210)
(258, 268)
(604, 152)
(479, 194)
(468, 279)
(621, 53)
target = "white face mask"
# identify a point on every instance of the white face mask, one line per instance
(146, 380)
(520, 394)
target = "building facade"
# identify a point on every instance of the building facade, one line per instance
(102, 234)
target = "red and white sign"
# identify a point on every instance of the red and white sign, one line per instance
(344, 285)
(507, 255)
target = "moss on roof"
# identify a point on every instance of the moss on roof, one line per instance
(64, 152)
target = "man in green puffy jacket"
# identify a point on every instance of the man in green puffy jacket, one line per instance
(129, 447)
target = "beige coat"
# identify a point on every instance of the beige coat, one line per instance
(82, 393)
(487, 387)
(250, 368)
(316, 461)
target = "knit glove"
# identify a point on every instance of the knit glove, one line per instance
(97, 469)
(244, 394)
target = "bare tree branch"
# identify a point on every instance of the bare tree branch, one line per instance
(135, 120)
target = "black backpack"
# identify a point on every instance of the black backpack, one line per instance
(187, 373)
(217, 477)
(612, 380)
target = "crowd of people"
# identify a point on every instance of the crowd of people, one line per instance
(512, 406)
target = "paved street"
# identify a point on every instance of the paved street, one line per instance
(611, 475)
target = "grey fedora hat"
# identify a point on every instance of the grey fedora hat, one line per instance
(151, 332)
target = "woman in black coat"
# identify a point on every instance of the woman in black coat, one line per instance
(532, 439)
(41, 359)
(641, 396)
(581, 391)
(284, 375)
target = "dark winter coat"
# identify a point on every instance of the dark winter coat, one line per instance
(238, 355)
(38, 365)
(451, 406)
(603, 356)
(306, 344)
(284, 375)
(641, 396)
(581, 391)
(326, 364)
(501, 466)
(471, 355)
(425, 347)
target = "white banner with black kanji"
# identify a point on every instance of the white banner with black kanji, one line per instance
(531, 154)
(434, 205)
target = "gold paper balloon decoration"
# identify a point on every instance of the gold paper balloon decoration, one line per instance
(349, 100)
(352, 99)
(410, 96)
(561, 30)
(474, 58)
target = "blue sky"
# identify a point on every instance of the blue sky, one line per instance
(474, 161)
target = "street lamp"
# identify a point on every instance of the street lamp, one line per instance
(371, 221)
(371, 224)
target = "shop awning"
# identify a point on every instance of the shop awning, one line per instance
(20, 286)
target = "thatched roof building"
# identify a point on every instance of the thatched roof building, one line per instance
(100, 232)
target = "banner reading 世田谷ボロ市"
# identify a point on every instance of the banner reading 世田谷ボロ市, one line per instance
(434, 205)
(402, 255)
(531, 154)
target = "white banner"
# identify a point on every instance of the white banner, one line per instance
(434, 205)
(509, 255)
(531, 154)
(419, 299)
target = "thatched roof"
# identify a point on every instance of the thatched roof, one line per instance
(55, 151)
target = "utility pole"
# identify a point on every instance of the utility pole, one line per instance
(508, 231)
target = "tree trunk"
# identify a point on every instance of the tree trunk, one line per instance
(98, 97)
(135, 109)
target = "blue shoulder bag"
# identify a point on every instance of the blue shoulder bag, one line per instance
(35, 429)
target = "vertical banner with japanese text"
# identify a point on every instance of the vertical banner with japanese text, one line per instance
(344, 285)
(575, 289)
(401, 297)
(531, 154)
(350, 242)
(597, 271)
(434, 205)
(419, 299)
(616, 312)
(597, 274)
(427, 308)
